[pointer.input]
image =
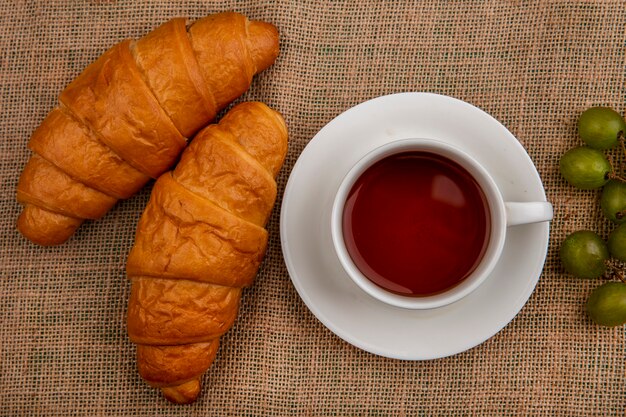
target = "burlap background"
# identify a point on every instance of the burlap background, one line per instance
(534, 65)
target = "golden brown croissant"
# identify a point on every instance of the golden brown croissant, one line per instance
(125, 118)
(199, 241)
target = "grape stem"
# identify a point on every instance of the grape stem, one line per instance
(613, 175)
(615, 269)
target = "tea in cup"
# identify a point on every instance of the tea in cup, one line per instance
(419, 223)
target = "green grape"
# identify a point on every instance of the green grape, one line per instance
(600, 127)
(607, 304)
(617, 243)
(613, 201)
(585, 168)
(584, 254)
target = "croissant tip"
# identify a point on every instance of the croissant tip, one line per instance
(182, 394)
(264, 44)
(45, 228)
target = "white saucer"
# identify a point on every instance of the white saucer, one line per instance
(333, 297)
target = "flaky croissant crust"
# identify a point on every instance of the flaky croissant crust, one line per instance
(199, 241)
(126, 117)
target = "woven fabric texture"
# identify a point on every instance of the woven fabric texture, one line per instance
(533, 65)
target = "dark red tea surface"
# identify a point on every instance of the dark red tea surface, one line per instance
(416, 223)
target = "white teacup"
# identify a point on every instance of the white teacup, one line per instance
(502, 215)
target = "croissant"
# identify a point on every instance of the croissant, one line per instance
(199, 241)
(126, 117)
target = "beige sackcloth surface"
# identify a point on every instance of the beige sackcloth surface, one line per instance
(533, 65)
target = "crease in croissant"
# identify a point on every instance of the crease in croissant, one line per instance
(199, 241)
(126, 117)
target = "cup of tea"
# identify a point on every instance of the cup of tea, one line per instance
(419, 223)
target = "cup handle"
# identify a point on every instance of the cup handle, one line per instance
(525, 213)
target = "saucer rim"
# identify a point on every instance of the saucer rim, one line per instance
(368, 346)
